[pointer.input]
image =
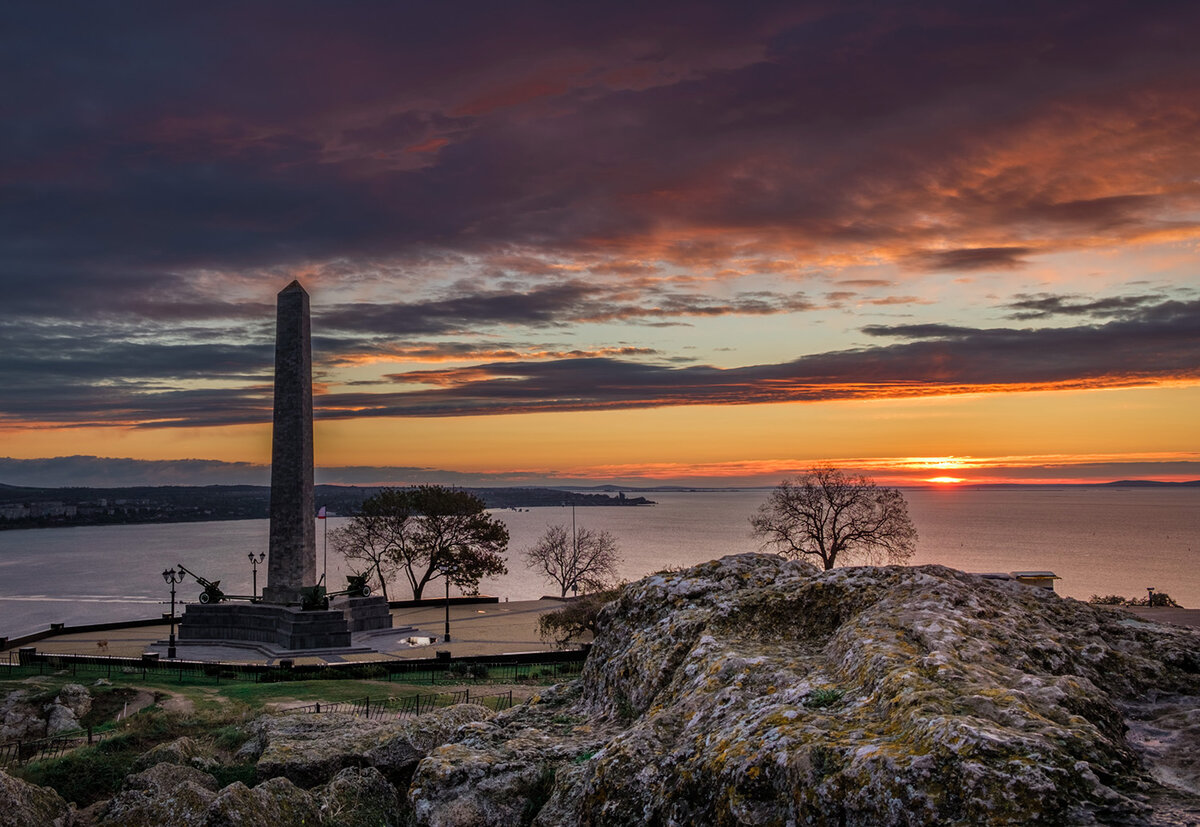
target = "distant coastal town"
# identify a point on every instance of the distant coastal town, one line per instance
(61, 507)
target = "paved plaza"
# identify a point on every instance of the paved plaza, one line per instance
(475, 629)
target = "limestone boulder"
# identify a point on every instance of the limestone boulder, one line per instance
(183, 750)
(406, 742)
(60, 719)
(76, 698)
(27, 805)
(362, 797)
(310, 749)
(20, 719)
(272, 803)
(756, 690)
(166, 795)
(501, 771)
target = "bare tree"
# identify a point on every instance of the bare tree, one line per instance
(587, 562)
(827, 514)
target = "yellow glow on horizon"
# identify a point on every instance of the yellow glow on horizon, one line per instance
(946, 480)
(894, 439)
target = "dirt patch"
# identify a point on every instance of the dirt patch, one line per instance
(178, 704)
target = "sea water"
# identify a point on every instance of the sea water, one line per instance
(1098, 540)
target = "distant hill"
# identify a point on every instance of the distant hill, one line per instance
(29, 507)
(1152, 484)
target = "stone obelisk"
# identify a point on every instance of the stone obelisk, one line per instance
(293, 546)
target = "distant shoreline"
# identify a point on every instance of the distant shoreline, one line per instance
(27, 508)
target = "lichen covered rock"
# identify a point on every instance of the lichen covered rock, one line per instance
(499, 772)
(183, 750)
(272, 803)
(755, 690)
(27, 805)
(76, 698)
(165, 795)
(362, 798)
(311, 749)
(20, 720)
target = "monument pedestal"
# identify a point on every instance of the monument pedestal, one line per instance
(282, 627)
(363, 614)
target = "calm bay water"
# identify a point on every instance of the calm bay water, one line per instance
(1098, 540)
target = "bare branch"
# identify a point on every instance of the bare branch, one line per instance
(828, 514)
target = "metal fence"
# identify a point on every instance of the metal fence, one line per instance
(412, 706)
(536, 666)
(39, 749)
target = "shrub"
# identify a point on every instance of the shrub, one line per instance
(575, 619)
(822, 698)
(86, 775)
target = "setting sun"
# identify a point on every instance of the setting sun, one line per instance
(946, 480)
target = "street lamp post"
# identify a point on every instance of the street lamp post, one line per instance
(254, 561)
(447, 576)
(172, 577)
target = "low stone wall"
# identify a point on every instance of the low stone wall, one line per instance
(363, 614)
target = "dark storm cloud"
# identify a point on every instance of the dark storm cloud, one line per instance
(552, 304)
(1157, 343)
(160, 163)
(1046, 305)
(1151, 344)
(147, 140)
(972, 258)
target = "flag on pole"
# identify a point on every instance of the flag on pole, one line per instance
(321, 513)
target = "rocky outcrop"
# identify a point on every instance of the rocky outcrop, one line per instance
(27, 805)
(184, 750)
(500, 771)
(20, 719)
(319, 769)
(23, 720)
(311, 749)
(757, 690)
(362, 798)
(63, 714)
(274, 802)
(76, 698)
(165, 794)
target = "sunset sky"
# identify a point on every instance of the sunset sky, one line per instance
(694, 243)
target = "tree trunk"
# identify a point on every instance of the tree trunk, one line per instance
(382, 582)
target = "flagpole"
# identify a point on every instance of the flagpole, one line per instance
(325, 555)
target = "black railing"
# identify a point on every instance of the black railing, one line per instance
(535, 666)
(54, 746)
(412, 706)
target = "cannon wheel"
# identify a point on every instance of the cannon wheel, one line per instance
(204, 598)
(366, 590)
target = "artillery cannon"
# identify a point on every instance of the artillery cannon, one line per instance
(212, 589)
(315, 597)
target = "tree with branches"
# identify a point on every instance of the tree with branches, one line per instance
(829, 515)
(427, 532)
(371, 538)
(451, 535)
(587, 561)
